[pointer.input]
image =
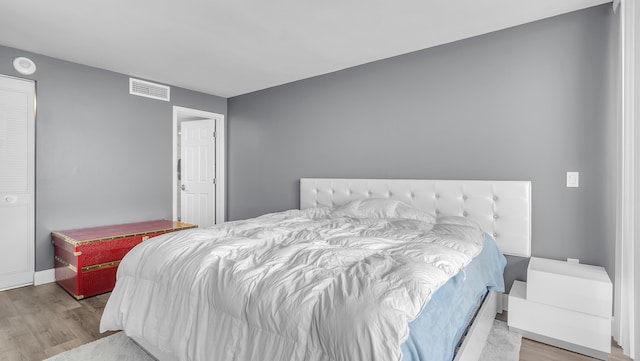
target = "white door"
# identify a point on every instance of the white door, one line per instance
(17, 159)
(197, 176)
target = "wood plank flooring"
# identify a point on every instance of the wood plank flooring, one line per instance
(536, 351)
(39, 322)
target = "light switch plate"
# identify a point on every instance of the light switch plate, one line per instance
(573, 179)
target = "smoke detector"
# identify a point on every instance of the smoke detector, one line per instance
(24, 65)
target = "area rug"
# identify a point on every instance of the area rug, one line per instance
(117, 347)
(502, 345)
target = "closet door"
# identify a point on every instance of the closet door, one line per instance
(17, 155)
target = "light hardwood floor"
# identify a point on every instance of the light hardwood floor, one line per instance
(39, 322)
(536, 351)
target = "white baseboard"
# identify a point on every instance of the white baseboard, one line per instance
(46, 276)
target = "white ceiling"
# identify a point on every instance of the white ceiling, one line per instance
(233, 47)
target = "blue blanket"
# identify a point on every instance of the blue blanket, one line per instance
(436, 331)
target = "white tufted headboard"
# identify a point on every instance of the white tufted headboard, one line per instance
(503, 208)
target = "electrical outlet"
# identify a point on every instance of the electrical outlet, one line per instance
(573, 179)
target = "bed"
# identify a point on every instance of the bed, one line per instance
(348, 277)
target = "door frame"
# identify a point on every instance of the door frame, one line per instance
(219, 119)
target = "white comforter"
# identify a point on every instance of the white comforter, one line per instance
(296, 285)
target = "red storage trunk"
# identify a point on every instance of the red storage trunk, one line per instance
(86, 260)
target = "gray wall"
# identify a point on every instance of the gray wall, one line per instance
(102, 156)
(526, 103)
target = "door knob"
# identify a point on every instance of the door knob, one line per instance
(183, 187)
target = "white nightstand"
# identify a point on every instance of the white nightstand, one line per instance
(564, 304)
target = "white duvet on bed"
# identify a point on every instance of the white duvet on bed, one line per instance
(295, 285)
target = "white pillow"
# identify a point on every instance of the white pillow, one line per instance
(381, 208)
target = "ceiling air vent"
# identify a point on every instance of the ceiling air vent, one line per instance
(150, 90)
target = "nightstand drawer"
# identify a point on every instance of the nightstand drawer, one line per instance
(573, 286)
(572, 330)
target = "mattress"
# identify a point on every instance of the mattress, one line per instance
(292, 285)
(439, 329)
